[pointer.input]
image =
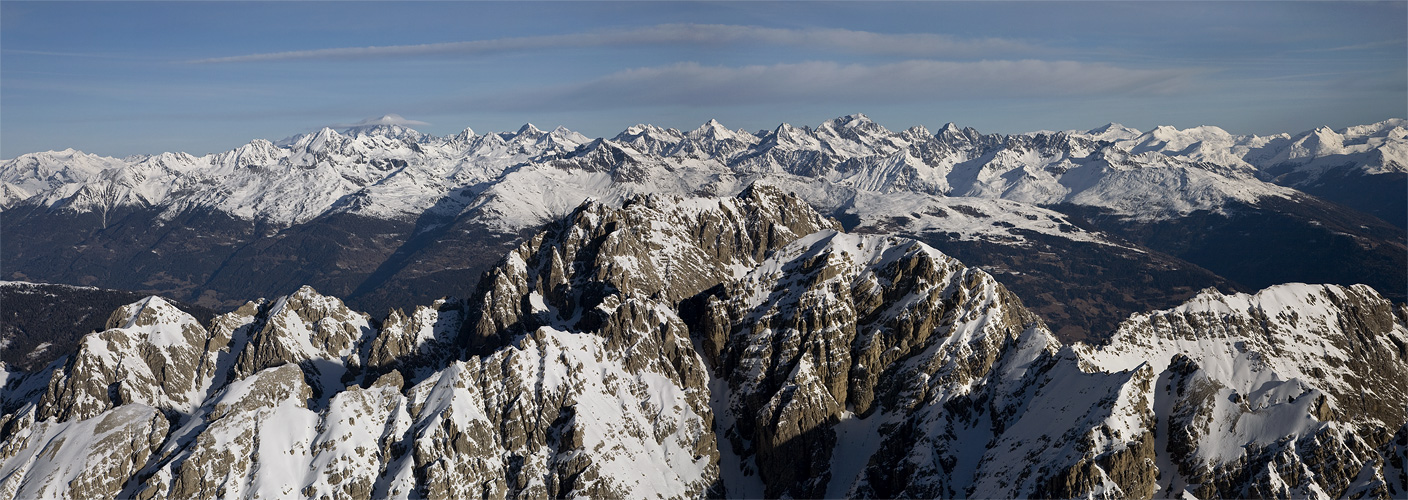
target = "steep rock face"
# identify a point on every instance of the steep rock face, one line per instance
(311, 329)
(302, 326)
(558, 414)
(1395, 469)
(835, 326)
(649, 249)
(157, 355)
(877, 367)
(1269, 394)
(416, 342)
(79, 458)
(155, 367)
(254, 441)
(151, 353)
(615, 275)
(1343, 341)
(1290, 448)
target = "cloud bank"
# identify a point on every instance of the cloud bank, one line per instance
(692, 84)
(390, 119)
(862, 42)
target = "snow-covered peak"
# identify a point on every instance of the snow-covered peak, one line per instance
(391, 119)
(712, 130)
(648, 138)
(45, 170)
(318, 141)
(853, 126)
(958, 138)
(785, 136)
(387, 131)
(530, 136)
(647, 130)
(162, 323)
(1199, 133)
(857, 136)
(1208, 144)
(858, 120)
(1168, 139)
(1112, 132)
(1386, 128)
(1309, 145)
(562, 136)
(639, 129)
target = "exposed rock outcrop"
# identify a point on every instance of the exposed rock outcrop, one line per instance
(151, 353)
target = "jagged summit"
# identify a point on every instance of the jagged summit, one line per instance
(850, 121)
(712, 130)
(1113, 132)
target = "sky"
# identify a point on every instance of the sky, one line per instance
(120, 78)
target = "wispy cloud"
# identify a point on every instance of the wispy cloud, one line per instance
(1400, 43)
(866, 42)
(693, 84)
(83, 55)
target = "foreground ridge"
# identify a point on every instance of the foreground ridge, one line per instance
(742, 346)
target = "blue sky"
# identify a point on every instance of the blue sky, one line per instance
(120, 78)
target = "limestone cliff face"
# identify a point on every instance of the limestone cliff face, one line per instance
(151, 353)
(877, 367)
(738, 347)
(79, 458)
(417, 343)
(837, 327)
(302, 328)
(653, 248)
(1295, 391)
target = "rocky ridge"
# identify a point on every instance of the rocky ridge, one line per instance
(728, 347)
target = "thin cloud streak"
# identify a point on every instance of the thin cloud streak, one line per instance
(82, 55)
(1361, 46)
(864, 42)
(693, 84)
